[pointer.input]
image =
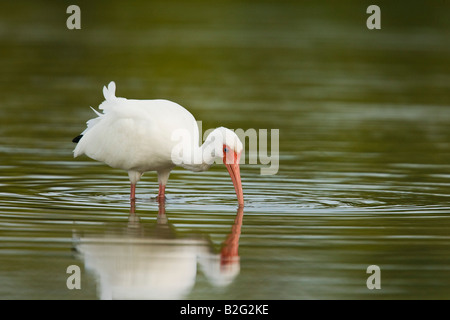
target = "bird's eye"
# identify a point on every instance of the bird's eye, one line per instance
(225, 150)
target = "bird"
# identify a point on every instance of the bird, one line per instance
(155, 135)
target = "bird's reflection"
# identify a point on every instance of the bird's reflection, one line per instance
(151, 261)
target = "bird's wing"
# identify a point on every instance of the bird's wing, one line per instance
(110, 92)
(134, 133)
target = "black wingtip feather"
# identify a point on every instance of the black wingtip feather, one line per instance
(77, 138)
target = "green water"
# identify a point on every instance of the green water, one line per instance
(364, 131)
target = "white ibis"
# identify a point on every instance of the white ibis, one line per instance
(155, 135)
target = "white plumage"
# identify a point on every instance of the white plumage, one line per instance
(155, 135)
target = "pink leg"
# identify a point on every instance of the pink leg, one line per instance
(161, 209)
(132, 207)
(162, 193)
(133, 192)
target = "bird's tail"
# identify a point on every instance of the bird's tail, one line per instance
(110, 91)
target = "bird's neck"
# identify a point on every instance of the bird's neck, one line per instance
(198, 158)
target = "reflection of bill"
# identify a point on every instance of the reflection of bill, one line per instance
(152, 262)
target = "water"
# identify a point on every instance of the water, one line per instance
(364, 175)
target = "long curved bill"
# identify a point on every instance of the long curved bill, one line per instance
(235, 174)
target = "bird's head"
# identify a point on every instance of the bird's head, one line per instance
(229, 147)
